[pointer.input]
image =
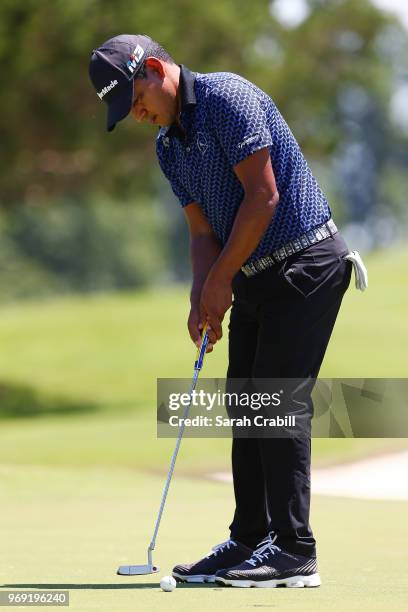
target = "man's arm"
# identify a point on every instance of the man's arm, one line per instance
(253, 217)
(204, 249)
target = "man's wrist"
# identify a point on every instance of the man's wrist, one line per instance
(222, 273)
(195, 297)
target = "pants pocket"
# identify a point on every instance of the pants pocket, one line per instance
(311, 270)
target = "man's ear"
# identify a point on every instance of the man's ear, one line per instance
(156, 66)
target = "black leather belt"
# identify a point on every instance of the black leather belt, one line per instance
(294, 246)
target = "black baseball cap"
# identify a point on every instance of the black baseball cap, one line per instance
(113, 67)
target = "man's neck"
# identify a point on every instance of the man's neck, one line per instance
(177, 74)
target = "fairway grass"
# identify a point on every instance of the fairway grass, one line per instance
(69, 529)
(82, 471)
(84, 371)
(109, 349)
(129, 440)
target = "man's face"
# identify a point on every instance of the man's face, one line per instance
(154, 98)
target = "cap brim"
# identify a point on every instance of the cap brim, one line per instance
(120, 107)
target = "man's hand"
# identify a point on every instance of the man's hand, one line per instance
(205, 250)
(216, 299)
(195, 328)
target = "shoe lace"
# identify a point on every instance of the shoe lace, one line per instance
(263, 550)
(220, 547)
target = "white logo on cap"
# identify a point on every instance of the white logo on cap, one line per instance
(106, 89)
(135, 58)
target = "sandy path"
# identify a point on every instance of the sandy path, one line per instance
(384, 477)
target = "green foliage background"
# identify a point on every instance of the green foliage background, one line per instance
(83, 210)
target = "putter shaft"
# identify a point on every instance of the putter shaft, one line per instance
(133, 570)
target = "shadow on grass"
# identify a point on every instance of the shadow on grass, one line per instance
(138, 585)
(19, 401)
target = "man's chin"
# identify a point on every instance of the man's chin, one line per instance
(163, 123)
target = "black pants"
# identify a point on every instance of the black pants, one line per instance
(280, 326)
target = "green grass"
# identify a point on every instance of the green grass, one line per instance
(81, 470)
(130, 441)
(69, 529)
(371, 335)
(88, 366)
(110, 349)
(104, 349)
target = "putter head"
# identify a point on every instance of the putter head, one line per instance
(137, 570)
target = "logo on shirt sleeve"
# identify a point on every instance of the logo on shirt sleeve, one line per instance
(249, 140)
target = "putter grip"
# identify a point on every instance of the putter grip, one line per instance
(201, 351)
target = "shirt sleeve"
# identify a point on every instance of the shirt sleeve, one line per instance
(179, 191)
(238, 118)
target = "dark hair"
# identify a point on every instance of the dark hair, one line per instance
(158, 51)
(155, 50)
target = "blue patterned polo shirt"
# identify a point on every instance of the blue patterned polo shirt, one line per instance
(225, 118)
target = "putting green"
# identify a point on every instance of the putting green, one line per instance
(69, 528)
(81, 470)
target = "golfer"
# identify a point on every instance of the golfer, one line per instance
(263, 242)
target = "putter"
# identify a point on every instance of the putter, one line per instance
(149, 568)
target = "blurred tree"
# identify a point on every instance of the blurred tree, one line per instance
(52, 124)
(332, 75)
(333, 81)
(83, 248)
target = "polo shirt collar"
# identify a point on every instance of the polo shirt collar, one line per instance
(187, 93)
(188, 98)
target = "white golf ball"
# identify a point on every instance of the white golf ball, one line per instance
(168, 584)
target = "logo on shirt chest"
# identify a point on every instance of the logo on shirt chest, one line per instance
(202, 142)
